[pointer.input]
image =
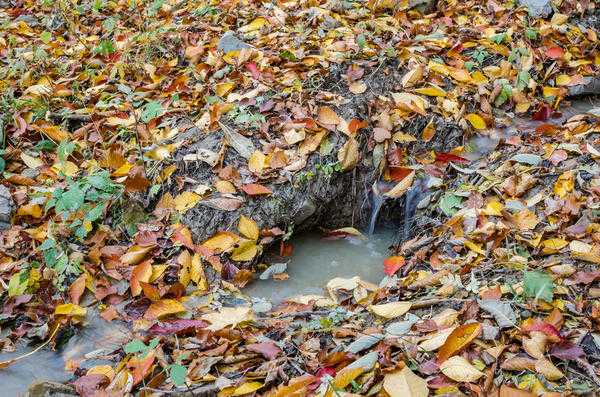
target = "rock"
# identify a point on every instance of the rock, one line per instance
(538, 8)
(50, 389)
(590, 86)
(229, 42)
(7, 207)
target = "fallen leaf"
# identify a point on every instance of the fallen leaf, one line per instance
(163, 308)
(459, 369)
(391, 310)
(459, 339)
(405, 383)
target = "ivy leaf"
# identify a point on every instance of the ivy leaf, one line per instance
(538, 285)
(177, 373)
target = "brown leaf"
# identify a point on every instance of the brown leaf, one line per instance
(255, 189)
(136, 180)
(163, 308)
(328, 116)
(77, 288)
(348, 154)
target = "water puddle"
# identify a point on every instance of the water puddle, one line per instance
(97, 337)
(482, 144)
(315, 261)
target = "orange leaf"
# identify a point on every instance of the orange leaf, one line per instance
(328, 116)
(255, 189)
(76, 289)
(555, 52)
(460, 338)
(392, 264)
(141, 272)
(163, 308)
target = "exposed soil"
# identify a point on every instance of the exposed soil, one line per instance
(313, 198)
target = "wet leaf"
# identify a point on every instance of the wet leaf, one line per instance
(163, 308)
(248, 228)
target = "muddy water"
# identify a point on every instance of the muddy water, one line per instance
(315, 261)
(97, 338)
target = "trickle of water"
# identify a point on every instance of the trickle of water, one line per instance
(375, 208)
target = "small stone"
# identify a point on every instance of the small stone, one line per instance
(538, 8)
(50, 389)
(229, 42)
(7, 207)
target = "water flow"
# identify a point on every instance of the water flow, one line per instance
(377, 203)
(47, 364)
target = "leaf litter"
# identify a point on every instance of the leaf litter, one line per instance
(495, 293)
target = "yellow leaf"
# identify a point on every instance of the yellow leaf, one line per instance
(436, 340)
(223, 89)
(135, 254)
(493, 208)
(227, 316)
(256, 161)
(33, 210)
(105, 370)
(141, 272)
(459, 339)
(525, 219)
(479, 78)
(476, 121)
(405, 383)
(564, 184)
(162, 308)
(545, 367)
(548, 91)
(246, 251)
(563, 79)
(186, 200)
(474, 247)
(459, 369)
(412, 76)
(221, 241)
(69, 309)
(67, 168)
(553, 245)
(257, 24)
(433, 90)
(346, 376)
(248, 228)
(247, 388)
(391, 310)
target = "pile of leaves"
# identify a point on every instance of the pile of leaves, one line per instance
(495, 295)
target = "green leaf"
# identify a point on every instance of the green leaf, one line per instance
(450, 204)
(16, 286)
(361, 41)
(504, 95)
(135, 346)
(71, 200)
(523, 80)
(151, 110)
(46, 37)
(177, 373)
(65, 148)
(538, 285)
(531, 34)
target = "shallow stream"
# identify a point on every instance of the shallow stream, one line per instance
(314, 262)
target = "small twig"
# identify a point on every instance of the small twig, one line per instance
(4, 364)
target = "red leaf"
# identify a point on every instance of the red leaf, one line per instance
(355, 124)
(555, 52)
(543, 113)
(255, 189)
(268, 349)
(251, 66)
(399, 173)
(448, 157)
(541, 326)
(175, 326)
(392, 264)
